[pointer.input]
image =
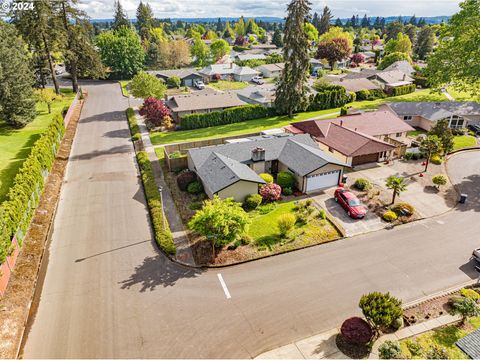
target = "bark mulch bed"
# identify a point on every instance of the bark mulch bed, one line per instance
(15, 305)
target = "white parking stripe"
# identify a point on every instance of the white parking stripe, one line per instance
(224, 286)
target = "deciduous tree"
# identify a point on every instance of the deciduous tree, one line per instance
(46, 96)
(391, 58)
(219, 49)
(200, 52)
(333, 51)
(444, 134)
(145, 85)
(400, 44)
(155, 112)
(430, 146)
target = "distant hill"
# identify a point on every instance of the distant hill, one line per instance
(429, 20)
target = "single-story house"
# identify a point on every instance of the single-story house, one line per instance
(231, 170)
(352, 85)
(369, 56)
(358, 139)
(244, 57)
(271, 70)
(201, 102)
(362, 74)
(391, 79)
(257, 95)
(425, 114)
(187, 76)
(403, 66)
(229, 71)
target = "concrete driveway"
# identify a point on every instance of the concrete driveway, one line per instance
(352, 227)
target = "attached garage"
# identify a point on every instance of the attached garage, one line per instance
(188, 82)
(365, 159)
(322, 180)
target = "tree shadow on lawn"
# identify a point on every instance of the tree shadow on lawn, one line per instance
(448, 335)
(7, 175)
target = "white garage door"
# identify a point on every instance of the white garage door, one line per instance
(323, 180)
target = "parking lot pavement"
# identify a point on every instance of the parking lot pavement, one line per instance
(352, 227)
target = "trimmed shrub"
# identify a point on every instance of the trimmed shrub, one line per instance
(322, 214)
(470, 293)
(285, 222)
(329, 97)
(353, 96)
(403, 209)
(252, 201)
(287, 191)
(437, 352)
(174, 82)
(185, 179)
(390, 350)
(414, 347)
(195, 187)
(363, 94)
(163, 235)
(132, 123)
(266, 177)
(195, 205)
(285, 179)
(403, 90)
(270, 192)
(382, 309)
(362, 184)
(439, 180)
(389, 216)
(356, 331)
(227, 116)
(436, 159)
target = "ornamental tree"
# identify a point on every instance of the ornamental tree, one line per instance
(46, 96)
(270, 192)
(465, 307)
(155, 111)
(335, 50)
(381, 309)
(439, 180)
(356, 331)
(145, 85)
(357, 58)
(241, 41)
(397, 184)
(220, 220)
(429, 146)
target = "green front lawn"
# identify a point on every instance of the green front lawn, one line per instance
(264, 227)
(445, 337)
(224, 85)
(420, 95)
(245, 127)
(15, 144)
(462, 142)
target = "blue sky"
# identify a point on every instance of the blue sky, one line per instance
(232, 8)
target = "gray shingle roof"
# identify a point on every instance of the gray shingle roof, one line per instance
(403, 66)
(181, 73)
(470, 344)
(219, 171)
(300, 153)
(435, 110)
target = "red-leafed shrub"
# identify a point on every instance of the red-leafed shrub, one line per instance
(270, 192)
(216, 77)
(356, 331)
(185, 179)
(241, 41)
(155, 111)
(357, 58)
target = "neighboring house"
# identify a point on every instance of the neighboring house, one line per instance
(352, 85)
(369, 56)
(243, 57)
(271, 70)
(403, 66)
(187, 76)
(257, 95)
(264, 47)
(425, 114)
(362, 74)
(359, 139)
(229, 71)
(391, 79)
(201, 102)
(231, 170)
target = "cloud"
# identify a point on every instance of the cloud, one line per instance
(251, 8)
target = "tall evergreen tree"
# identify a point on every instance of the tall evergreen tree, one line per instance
(353, 21)
(324, 24)
(316, 20)
(291, 90)
(413, 20)
(144, 19)
(219, 28)
(425, 42)
(42, 30)
(17, 104)
(365, 22)
(338, 23)
(120, 17)
(277, 38)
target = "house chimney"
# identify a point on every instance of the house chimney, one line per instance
(258, 154)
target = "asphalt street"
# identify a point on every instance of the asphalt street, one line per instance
(108, 292)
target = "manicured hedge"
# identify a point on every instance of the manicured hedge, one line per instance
(162, 236)
(132, 122)
(17, 210)
(403, 90)
(330, 98)
(227, 116)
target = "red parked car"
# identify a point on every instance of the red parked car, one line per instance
(350, 203)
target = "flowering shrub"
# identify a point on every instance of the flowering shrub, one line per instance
(270, 192)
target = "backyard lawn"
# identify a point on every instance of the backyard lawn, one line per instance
(224, 85)
(15, 144)
(443, 337)
(462, 142)
(252, 126)
(461, 95)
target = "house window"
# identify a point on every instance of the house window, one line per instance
(398, 134)
(456, 122)
(407, 117)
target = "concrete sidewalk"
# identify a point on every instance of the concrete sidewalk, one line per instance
(323, 346)
(180, 238)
